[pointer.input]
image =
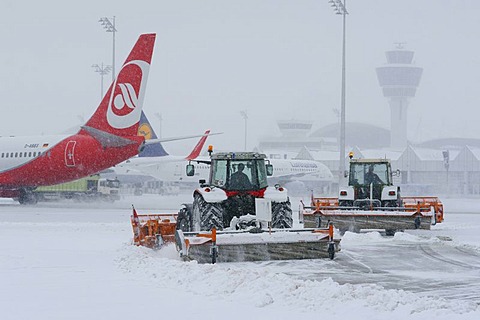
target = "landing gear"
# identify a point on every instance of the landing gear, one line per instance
(27, 197)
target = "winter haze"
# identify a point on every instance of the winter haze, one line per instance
(277, 59)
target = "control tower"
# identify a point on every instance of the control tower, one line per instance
(399, 80)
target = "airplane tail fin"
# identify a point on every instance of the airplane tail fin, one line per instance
(146, 130)
(198, 148)
(120, 109)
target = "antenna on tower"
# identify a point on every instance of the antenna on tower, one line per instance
(399, 45)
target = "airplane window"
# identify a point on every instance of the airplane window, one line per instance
(2, 154)
(25, 154)
(20, 154)
(11, 155)
(16, 154)
(30, 154)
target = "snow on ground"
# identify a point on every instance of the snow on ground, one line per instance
(76, 261)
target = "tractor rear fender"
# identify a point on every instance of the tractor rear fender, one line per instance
(212, 195)
(390, 193)
(346, 193)
(279, 194)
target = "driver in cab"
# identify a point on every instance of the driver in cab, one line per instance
(372, 177)
(239, 180)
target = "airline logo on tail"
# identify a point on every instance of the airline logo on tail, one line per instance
(122, 109)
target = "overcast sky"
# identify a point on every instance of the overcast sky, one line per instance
(278, 59)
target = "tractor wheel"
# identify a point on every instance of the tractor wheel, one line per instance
(184, 219)
(345, 203)
(331, 251)
(390, 232)
(282, 215)
(206, 215)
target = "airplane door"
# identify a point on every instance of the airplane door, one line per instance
(70, 154)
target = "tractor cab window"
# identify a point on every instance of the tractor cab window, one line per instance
(262, 175)
(364, 174)
(219, 173)
(241, 174)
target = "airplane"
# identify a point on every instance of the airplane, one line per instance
(107, 138)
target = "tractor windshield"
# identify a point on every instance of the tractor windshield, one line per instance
(241, 175)
(364, 174)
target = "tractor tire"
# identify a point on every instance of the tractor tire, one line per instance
(184, 218)
(282, 215)
(331, 251)
(390, 232)
(345, 203)
(206, 215)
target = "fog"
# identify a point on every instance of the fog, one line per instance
(277, 59)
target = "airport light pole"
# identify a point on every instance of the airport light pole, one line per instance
(102, 70)
(340, 8)
(109, 26)
(159, 116)
(245, 117)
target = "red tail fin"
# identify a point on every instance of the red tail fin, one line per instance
(121, 107)
(198, 148)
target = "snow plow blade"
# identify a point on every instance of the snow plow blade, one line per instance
(156, 229)
(416, 213)
(256, 245)
(153, 230)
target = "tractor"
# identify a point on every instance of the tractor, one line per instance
(227, 201)
(370, 184)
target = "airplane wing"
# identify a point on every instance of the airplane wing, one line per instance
(151, 141)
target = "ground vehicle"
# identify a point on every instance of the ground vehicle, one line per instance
(85, 189)
(236, 180)
(370, 183)
(371, 201)
(236, 214)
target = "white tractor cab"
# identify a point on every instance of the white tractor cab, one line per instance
(370, 184)
(236, 180)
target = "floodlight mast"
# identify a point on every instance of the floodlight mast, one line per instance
(339, 7)
(109, 26)
(102, 70)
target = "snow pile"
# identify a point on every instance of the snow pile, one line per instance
(254, 286)
(65, 261)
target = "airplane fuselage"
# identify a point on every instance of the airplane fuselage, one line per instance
(172, 169)
(46, 160)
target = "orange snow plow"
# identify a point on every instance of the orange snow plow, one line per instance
(416, 213)
(155, 230)
(372, 201)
